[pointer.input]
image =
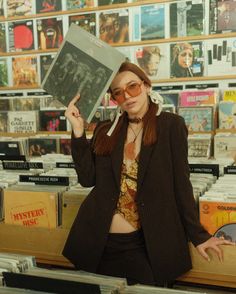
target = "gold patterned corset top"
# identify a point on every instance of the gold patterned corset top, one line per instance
(126, 205)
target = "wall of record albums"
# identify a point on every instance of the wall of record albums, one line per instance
(187, 48)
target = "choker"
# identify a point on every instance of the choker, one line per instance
(135, 120)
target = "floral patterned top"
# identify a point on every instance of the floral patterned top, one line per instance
(126, 205)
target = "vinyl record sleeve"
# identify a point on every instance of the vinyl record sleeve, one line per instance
(2, 37)
(85, 65)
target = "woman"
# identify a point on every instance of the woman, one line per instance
(182, 59)
(137, 220)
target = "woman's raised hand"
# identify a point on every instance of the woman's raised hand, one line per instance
(73, 115)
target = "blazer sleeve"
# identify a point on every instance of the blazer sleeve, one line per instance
(84, 160)
(183, 188)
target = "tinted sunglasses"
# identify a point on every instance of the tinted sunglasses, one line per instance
(133, 89)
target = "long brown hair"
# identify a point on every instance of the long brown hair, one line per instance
(104, 144)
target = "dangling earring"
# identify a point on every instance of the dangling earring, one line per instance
(157, 99)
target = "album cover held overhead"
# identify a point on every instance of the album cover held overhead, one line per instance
(83, 65)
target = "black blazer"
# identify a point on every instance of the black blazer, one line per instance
(165, 201)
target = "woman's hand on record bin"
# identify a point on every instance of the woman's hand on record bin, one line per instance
(72, 113)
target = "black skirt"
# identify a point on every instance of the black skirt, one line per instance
(125, 256)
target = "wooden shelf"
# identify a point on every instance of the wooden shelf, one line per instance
(47, 244)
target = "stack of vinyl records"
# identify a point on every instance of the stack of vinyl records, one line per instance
(15, 263)
(64, 281)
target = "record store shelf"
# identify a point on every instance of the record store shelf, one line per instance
(47, 244)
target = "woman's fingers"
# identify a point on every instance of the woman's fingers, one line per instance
(74, 100)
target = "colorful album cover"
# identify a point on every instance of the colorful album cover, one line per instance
(45, 61)
(52, 120)
(23, 121)
(75, 4)
(114, 26)
(169, 97)
(50, 32)
(3, 72)
(222, 17)
(24, 71)
(3, 121)
(216, 212)
(197, 119)
(186, 59)
(229, 95)
(15, 8)
(86, 21)
(228, 232)
(65, 146)
(3, 46)
(110, 2)
(25, 103)
(186, 18)
(152, 22)
(221, 57)
(43, 6)
(42, 146)
(21, 35)
(227, 115)
(198, 97)
(153, 60)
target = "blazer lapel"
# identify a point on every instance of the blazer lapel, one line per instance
(117, 155)
(144, 158)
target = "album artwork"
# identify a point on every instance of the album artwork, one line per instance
(5, 104)
(186, 18)
(216, 212)
(45, 61)
(3, 45)
(222, 17)
(227, 231)
(52, 120)
(25, 103)
(21, 35)
(3, 72)
(152, 22)
(85, 21)
(197, 118)
(229, 95)
(153, 60)
(114, 26)
(11, 147)
(24, 70)
(110, 2)
(75, 4)
(65, 146)
(83, 65)
(221, 57)
(186, 59)
(225, 145)
(50, 32)
(15, 8)
(3, 121)
(198, 97)
(23, 121)
(169, 97)
(43, 6)
(227, 115)
(42, 146)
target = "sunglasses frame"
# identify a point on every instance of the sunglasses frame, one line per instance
(125, 90)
